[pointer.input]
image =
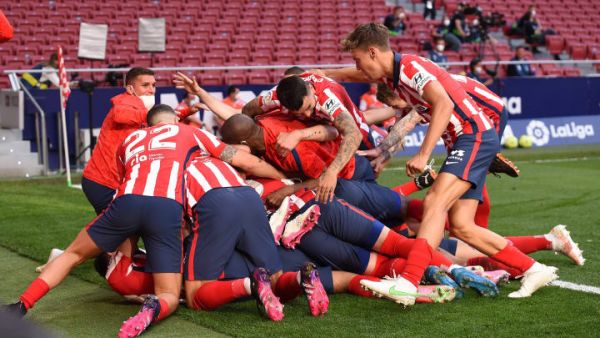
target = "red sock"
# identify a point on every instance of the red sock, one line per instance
(125, 280)
(355, 288)
(396, 245)
(512, 257)
(164, 310)
(407, 188)
(287, 287)
(529, 244)
(34, 292)
(482, 215)
(212, 295)
(415, 209)
(490, 264)
(388, 266)
(417, 261)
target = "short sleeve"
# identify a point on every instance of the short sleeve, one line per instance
(209, 143)
(267, 100)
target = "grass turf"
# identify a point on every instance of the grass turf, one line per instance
(558, 185)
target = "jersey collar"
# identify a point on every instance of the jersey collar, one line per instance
(396, 78)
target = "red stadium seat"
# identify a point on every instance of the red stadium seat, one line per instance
(555, 44)
(572, 71)
(235, 77)
(259, 77)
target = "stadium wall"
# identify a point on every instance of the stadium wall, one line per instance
(553, 111)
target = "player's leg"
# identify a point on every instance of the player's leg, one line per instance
(97, 194)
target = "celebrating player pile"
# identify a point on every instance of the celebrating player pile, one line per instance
(332, 228)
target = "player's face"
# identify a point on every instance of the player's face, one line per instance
(144, 85)
(367, 62)
(308, 107)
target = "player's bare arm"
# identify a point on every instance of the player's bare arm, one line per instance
(351, 139)
(286, 142)
(349, 74)
(249, 163)
(393, 142)
(252, 108)
(377, 115)
(276, 197)
(441, 110)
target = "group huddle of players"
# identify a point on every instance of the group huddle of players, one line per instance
(286, 202)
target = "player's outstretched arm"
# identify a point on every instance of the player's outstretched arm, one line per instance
(286, 142)
(441, 110)
(222, 110)
(393, 141)
(252, 108)
(378, 115)
(351, 139)
(249, 163)
(349, 74)
(276, 197)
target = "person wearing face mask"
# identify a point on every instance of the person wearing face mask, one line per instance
(477, 72)
(437, 53)
(128, 113)
(369, 100)
(395, 21)
(443, 31)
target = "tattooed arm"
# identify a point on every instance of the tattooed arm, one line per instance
(286, 142)
(393, 142)
(351, 138)
(249, 163)
(252, 108)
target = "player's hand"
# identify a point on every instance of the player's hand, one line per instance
(275, 198)
(286, 142)
(326, 187)
(416, 165)
(181, 81)
(371, 153)
(196, 107)
(379, 164)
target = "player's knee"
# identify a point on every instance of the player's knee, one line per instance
(463, 230)
(435, 201)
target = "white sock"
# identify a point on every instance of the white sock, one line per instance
(535, 267)
(551, 238)
(247, 284)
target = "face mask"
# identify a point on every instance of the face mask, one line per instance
(446, 22)
(402, 15)
(440, 48)
(148, 100)
(478, 69)
(475, 22)
(532, 13)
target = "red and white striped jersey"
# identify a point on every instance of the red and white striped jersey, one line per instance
(152, 161)
(491, 104)
(332, 98)
(413, 73)
(206, 173)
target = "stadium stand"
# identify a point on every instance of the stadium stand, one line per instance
(255, 32)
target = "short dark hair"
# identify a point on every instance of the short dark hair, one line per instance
(365, 35)
(295, 70)
(154, 113)
(384, 93)
(231, 89)
(474, 62)
(291, 92)
(134, 72)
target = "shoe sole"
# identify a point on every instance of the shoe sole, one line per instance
(485, 288)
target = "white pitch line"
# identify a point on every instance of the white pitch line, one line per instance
(576, 287)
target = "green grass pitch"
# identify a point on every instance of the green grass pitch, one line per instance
(558, 185)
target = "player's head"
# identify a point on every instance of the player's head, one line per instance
(161, 113)
(53, 60)
(241, 129)
(232, 92)
(475, 65)
(521, 52)
(297, 96)
(295, 70)
(387, 96)
(370, 47)
(140, 82)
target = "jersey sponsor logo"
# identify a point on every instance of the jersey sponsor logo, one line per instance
(331, 105)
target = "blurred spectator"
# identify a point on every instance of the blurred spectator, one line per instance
(437, 53)
(369, 99)
(429, 9)
(6, 30)
(477, 71)
(46, 79)
(523, 69)
(532, 29)
(458, 23)
(395, 21)
(232, 98)
(443, 31)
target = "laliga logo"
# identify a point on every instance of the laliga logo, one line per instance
(540, 135)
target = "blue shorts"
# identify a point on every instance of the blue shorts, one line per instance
(380, 202)
(470, 158)
(343, 237)
(240, 266)
(363, 171)
(226, 219)
(97, 194)
(158, 220)
(503, 122)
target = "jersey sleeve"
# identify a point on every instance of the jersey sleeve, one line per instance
(330, 105)
(415, 75)
(128, 115)
(209, 143)
(267, 100)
